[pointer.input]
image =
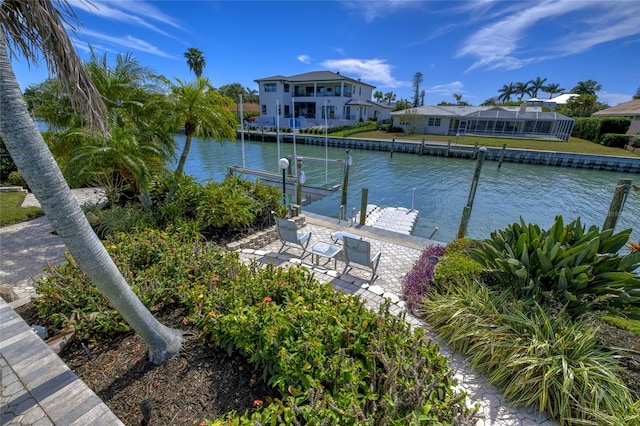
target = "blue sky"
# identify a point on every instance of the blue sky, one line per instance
(470, 48)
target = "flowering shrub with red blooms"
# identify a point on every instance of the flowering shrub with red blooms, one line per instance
(267, 299)
(417, 282)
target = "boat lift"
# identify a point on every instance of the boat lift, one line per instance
(304, 194)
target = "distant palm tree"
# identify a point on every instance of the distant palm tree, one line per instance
(378, 96)
(588, 87)
(195, 60)
(40, 26)
(536, 85)
(203, 112)
(552, 89)
(389, 97)
(506, 92)
(522, 89)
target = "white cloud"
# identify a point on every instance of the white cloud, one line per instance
(373, 9)
(304, 59)
(137, 13)
(129, 42)
(500, 44)
(446, 89)
(369, 70)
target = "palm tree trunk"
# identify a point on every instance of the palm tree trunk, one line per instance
(38, 167)
(179, 169)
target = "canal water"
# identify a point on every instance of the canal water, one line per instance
(437, 187)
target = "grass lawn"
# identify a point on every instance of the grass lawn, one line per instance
(575, 145)
(11, 212)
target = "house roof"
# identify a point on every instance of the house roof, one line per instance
(313, 76)
(625, 109)
(369, 103)
(562, 99)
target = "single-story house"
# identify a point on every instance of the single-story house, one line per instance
(629, 109)
(514, 122)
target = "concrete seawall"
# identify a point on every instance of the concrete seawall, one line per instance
(442, 149)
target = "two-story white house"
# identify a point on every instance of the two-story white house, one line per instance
(316, 98)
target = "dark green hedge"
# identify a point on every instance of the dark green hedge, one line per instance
(615, 140)
(593, 128)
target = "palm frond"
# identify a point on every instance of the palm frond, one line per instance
(34, 27)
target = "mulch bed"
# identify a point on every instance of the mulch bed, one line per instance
(203, 382)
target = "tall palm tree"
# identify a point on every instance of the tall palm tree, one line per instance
(195, 60)
(521, 89)
(378, 95)
(552, 89)
(588, 87)
(203, 112)
(536, 85)
(38, 24)
(506, 91)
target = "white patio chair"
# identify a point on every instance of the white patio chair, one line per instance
(289, 234)
(358, 252)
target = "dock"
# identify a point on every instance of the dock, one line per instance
(396, 219)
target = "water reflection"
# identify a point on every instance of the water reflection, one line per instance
(537, 193)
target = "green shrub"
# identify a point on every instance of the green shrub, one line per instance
(15, 179)
(69, 300)
(460, 245)
(618, 125)
(456, 269)
(615, 140)
(6, 162)
(217, 209)
(535, 355)
(333, 360)
(579, 269)
(592, 128)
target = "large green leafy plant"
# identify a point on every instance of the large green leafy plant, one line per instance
(580, 269)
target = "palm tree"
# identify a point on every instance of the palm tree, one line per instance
(42, 27)
(521, 89)
(195, 60)
(203, 112)
(588, 87)
(536, 85)
(140, 142)
(378, 96)
(553, 88)
(506, 92)
(389, 97)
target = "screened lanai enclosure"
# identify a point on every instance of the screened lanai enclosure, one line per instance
(512, 122)
(530, 125)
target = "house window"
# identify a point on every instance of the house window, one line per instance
(286, 88)
(436, 122)
(287, 111)
(264, 110)
(269, 87)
